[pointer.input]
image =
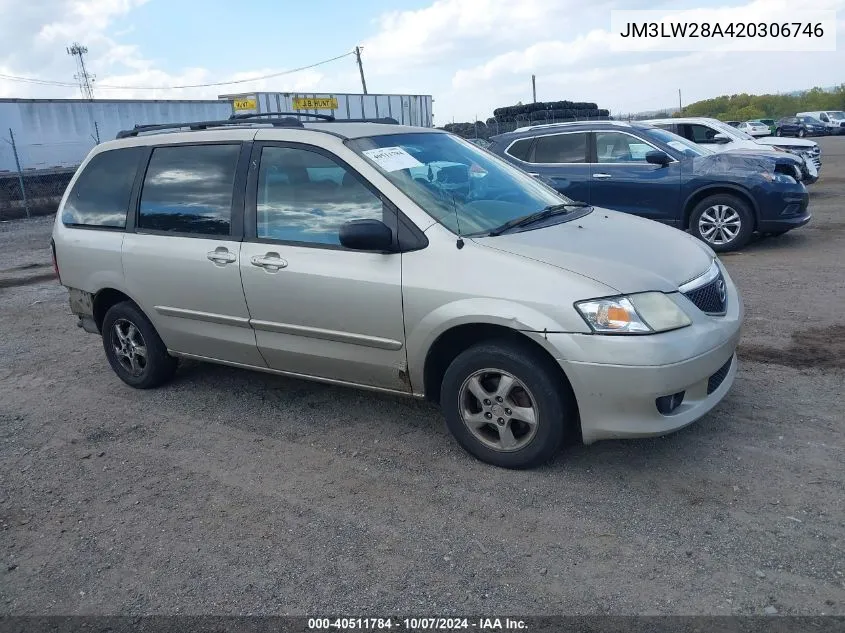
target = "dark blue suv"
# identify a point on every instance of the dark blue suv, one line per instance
(722, 198)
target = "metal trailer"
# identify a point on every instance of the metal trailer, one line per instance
(51, 134)
(407, 109)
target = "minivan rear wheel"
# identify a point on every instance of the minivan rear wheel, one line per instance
(504, 404)
(134, 349)
(723, 221)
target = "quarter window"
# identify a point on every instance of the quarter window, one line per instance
(100, 196)
(615, 147)
(520, 149)
(188, 189)
(561, 148)
(304, 196)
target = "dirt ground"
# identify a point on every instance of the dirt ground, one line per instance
(230, 492)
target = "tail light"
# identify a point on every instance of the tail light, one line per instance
(55, 261)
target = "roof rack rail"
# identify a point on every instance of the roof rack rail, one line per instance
(204, 125)
(258, 115)
(568, 123)
(325, 117)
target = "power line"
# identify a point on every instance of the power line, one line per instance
(49, 82)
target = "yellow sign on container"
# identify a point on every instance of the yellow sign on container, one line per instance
(309, 103)
(244, 104)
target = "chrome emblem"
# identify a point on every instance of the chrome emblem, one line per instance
(723, 291)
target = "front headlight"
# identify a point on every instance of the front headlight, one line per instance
(644, 313)
(779, 177)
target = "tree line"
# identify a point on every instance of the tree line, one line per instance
(743, 107)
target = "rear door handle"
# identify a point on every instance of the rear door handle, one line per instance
(221, 255)
(601, 176)
(269, 261)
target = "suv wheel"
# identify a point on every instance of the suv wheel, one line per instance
(723, 221)
(801, 133)
(504, 404)
(134, 349)
(778, 132)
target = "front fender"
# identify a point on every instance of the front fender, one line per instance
(486, 311)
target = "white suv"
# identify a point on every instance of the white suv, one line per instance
(400, 259)
(721, 137)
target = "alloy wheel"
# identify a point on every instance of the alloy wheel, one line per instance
(129, 346)
(498, 409)
(719, 224)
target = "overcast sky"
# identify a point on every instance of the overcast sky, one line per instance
(471, 55)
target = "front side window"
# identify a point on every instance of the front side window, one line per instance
(305, 196)
(188, 189)
(678, 143)
(467, 190)
(561, 148)
(698, 133)
(616, 147)
(100, 196)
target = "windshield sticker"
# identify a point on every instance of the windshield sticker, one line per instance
(392, 158)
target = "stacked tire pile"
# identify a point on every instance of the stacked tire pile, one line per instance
(552, 111)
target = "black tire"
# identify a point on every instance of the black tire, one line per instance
(554, 401)
(735, 203)
(801, 133)
(158, 366)
(778, 132)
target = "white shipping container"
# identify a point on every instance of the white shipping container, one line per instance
(59, 133)
(406, 109)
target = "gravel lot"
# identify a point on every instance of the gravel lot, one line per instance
(231, 492)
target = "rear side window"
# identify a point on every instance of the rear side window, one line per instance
(520, 149)
(188, 189)
(561, 148)
(100, 196)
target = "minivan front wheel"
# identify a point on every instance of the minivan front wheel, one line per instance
(723, 221)
(504, 404)
(134, 349)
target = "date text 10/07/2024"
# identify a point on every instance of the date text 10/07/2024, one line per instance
(416, 624)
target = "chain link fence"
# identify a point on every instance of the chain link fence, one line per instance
(34, 176)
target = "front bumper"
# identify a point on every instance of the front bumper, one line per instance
(617, 380)
(783, 209)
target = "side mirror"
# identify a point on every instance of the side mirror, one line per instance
(656, 157)
(721, 139)
(366, 235)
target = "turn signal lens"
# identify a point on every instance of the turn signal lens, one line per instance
(643, 313)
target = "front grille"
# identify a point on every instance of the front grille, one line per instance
(711, 298)
(719, 377)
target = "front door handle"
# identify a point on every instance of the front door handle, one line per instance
(601, 176)
(269, 261)
(221, 255)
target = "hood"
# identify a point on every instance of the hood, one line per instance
(621, 251)
(743, 159)
(785, 142)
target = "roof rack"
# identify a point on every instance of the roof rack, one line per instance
(276, 119)
(566, 123)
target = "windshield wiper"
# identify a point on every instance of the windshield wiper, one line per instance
(548, 212)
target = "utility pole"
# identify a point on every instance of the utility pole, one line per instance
(534, 87)
(361, 68)
(82, 76)
(680, 104)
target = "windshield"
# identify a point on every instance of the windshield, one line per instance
(465, 188)
(732, 132)
(811, 120)
(837, 116)
(678, 143)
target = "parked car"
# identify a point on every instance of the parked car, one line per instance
(638, 168)
(800, 126)
(833, 120)
(311, 250)
(719, 137)
(754, 128)
(770, 123)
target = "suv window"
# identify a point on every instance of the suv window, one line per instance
(698, 133)
(520, 149)
(188, 189)
(616, 147)
(561, 148)
(100, 196)
(305, 196)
